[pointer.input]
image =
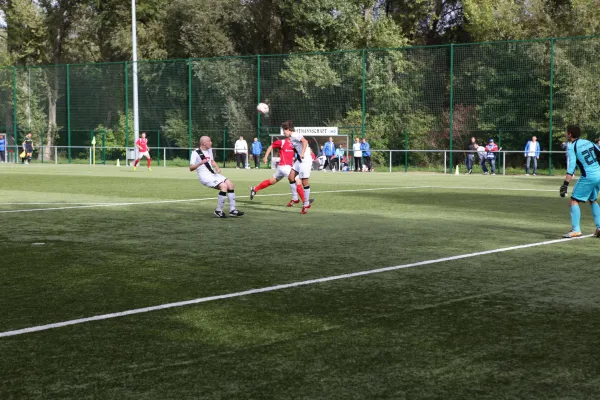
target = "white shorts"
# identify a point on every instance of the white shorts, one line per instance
(282, 172)
(303, 168)
(211, 180)
(144, 154)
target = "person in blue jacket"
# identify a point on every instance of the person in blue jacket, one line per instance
(329, 152)
(340, 155)
(366, 153)
(532, 153)
(2, 147)
(256, 151)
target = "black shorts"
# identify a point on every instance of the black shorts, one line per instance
(28, 149)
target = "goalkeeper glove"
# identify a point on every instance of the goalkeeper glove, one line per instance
(563, 189)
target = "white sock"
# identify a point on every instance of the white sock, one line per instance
(231, 196)
(306, 195)
(294, 191)
(222, 196)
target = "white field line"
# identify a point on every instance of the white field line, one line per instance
(51, 203)
(93, 205)
(273, 288)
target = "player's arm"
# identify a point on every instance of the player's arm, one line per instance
(570, 172)
(266, 157)
(216, 166)
(197, 162)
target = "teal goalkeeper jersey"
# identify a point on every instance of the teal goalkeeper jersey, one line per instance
(584, 154)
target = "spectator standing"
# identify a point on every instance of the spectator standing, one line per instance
(27, 148)
(339, 155)
(366, 153)
(329, 152)
(241, 152)
(532, 153)
(357, 155)
(2, 147)
(491, 151)
(256, 150)
(470, 160)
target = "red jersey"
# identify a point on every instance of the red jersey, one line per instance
(286, 151)
(142, 144)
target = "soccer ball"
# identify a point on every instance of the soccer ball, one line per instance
(262, 108)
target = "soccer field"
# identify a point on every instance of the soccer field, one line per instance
(119, 284)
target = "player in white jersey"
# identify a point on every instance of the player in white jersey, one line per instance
(209, 174)
(303, 163)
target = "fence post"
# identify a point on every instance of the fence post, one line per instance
(258, 93)
(68, 112)
(158, 149)
(42, 144)
(503, 163)
(103, 147)
(551, 105)
(189, 107)
(224, 145)
(164, 158)
(15, 113)
(451, 99)
(390, 161)
(445, 160)
(364, 67)
(406, 151)
(126, 110)
(55, 155)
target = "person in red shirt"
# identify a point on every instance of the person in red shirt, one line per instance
(286, 160)
(142, 147)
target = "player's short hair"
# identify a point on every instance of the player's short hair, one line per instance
(575, 131)
(288, 126)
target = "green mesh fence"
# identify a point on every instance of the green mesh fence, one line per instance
(413, 98)
(576, 96)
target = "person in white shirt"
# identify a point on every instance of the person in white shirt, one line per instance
(241, 152)
(532, 153)
(302, 164)
(357, 155)
(209, 174)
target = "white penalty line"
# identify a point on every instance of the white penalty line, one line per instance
(262, 195)
(273, 288)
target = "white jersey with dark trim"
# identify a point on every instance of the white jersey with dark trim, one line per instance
(199, 155)
(296, 139)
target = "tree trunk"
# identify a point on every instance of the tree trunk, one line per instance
(51, 128)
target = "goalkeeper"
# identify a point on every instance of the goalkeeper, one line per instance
(585, 155)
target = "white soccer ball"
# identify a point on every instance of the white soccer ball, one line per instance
(262, 108)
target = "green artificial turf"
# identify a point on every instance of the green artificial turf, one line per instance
(518, 324)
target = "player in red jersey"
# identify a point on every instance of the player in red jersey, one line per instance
(286, 160)
(142, 147)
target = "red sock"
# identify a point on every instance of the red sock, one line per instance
(136, 163)
(262, 185)
(149, 160)
(300, 191)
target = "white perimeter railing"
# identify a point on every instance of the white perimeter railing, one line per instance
(400, 156)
